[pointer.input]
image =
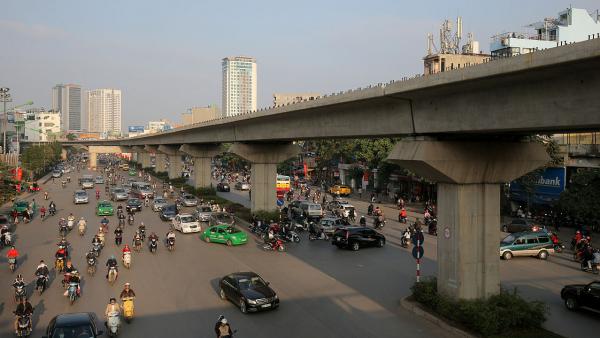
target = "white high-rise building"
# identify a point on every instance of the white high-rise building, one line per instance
(239, 85)
(104, 111)
(66, 99)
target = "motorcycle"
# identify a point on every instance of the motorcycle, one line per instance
(52, 211)
(558, 247)
(153, 245)
(12, 264)
(291, 236)
(113, 323)
(64, 184)
(70, 224)
(128, 308)
(72, 292)
(127, 260)
(91, 269)
(97, 249)
(171, 244)
(81, 229)
(112, 275)
(23, 326)
(7, 239)
(276, 245)
(137, 245)
(121, 221)
(130, 220)
(432, 226)
(378, 222)
(59, 264)
(19, 293)
(405, 238)
(402, 219)
(142, 233)
(41, 283)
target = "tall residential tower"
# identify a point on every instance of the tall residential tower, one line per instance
(66, 99)
(104, 111)
(239, 85)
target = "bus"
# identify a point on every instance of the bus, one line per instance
(283, 185)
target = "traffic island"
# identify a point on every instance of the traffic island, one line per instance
(503, 315)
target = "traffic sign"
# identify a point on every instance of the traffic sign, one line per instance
(418, 252)
(418, 238)
(280, 202)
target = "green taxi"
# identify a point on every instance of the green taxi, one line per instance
(224, 233)
(104, 208)
(20, 206)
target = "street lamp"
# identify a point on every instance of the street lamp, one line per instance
(4, 97)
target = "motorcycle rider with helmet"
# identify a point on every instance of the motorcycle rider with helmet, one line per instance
(110, 263)
(24, 309)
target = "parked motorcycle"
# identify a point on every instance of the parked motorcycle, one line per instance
(312, 236)
(291, 236)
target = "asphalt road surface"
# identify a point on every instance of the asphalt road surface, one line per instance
(324, 291)
(534, 279)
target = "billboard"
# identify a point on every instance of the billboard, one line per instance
(136, 129)
(547, 188)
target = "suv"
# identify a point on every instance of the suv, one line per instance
(169, 212)
(311, 210)
(582, 295)
(528, 243)
(519, 225)
(357, 237)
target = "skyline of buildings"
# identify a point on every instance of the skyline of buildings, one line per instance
(239, 91)
(104, 111)
(66, 99)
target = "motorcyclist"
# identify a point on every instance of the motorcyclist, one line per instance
(112, 306)
(363, 221)
(5, 230)
(96, 240)
(118, 235)
(110, 263)
(121, 218)
(119, 209)
(153, 236)
(43, 211)
(370, 209)
(19, 282)
(24, 308)
(222, 328)
(126, 249)
(142, 230)
(52, 208)
(13, 253)
(137, 239)
(45, 195)
(62, 225)
(146, 201)
(402, 215)
(74, 278)
(42, 269)
(71, 218)
(104, 222)
(90, 255)
(127, 292)
(97, 193)
(169, 235)
(82, 222)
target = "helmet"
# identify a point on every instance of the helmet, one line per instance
(82, 218)
(112, 257)
(19, 276)
(127, 284)
(224, 321)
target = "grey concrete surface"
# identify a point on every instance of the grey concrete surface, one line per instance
(324, 291)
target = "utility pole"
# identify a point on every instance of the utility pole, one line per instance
(4, 97)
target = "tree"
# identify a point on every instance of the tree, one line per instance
(581, 199)
(37, 158)
(71, 136)
(7, 187)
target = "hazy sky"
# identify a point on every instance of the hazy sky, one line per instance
(166, 55)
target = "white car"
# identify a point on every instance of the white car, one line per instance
(186, 223)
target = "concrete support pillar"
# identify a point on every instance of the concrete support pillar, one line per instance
(263, 176)
(93, 159)
(469, 175)
(63, 154)
(160, 160)
(175, 164)
(202, 155)
(144, 159)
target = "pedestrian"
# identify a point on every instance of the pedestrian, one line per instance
(359, 192)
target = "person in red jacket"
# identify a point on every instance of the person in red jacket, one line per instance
(12, 254)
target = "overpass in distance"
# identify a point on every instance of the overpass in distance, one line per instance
(466, 129)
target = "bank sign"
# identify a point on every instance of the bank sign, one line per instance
(547, 188)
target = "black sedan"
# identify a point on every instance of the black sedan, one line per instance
(223, 187)
(134, 204)
(355, 238)
(248, 291)
(582, 296)
(81, 324)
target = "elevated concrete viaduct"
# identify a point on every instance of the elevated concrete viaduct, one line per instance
(464, 128)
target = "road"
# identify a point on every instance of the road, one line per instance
(324, 291)
(534, 279)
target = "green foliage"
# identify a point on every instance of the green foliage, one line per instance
(71, 137)
(7, 187)
(37, 159)
(500, 313)
(266, 216)
(208, 191)
(371, 151)
(581, 199)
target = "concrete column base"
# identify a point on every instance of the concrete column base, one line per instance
(263, 179)
(160, 161)
(175, 166)
(144, 160)
(468, 240)
(202, 174)
(63, 154)
(93, 159)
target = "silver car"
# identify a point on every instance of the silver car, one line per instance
(203, 213)
(80, 196)
(119, 194)
(187, 200)
(159, 203)
(99, 180)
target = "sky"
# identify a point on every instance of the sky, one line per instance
(165, 56)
